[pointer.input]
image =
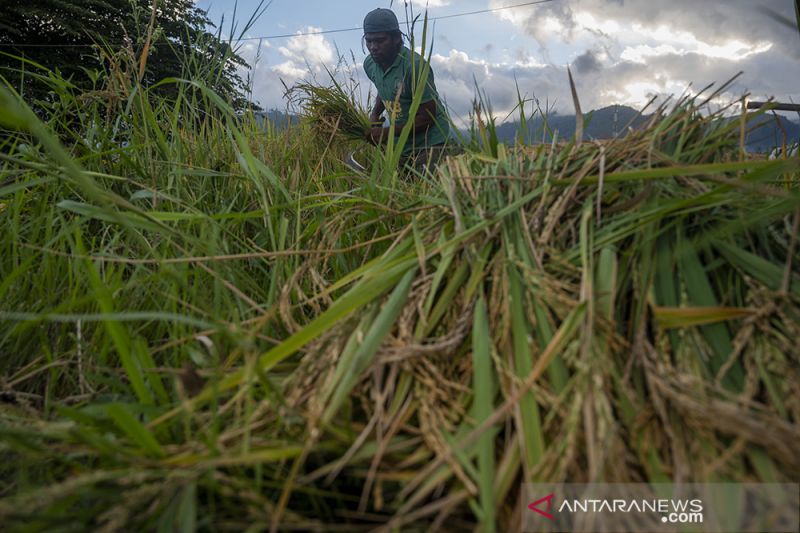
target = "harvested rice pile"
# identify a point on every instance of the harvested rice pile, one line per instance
(620, 312)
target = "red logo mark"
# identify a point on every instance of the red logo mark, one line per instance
(534, 506)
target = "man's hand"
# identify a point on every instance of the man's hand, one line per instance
(376, 114)
(423, 121)
(376, 135)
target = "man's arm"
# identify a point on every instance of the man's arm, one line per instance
(377, 111)
(425, 117)
(423, 120)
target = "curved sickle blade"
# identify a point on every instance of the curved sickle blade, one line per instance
(352, 163)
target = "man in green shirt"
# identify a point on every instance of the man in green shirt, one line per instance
(389, 66)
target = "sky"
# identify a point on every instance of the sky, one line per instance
(619, 51)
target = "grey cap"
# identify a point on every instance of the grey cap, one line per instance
(380, 20)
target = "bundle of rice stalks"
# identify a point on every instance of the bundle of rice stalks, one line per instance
(332, 110)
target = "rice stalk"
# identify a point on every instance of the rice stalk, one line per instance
(331, 110)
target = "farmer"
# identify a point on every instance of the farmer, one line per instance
(389, 66)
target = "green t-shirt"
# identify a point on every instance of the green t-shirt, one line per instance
(398, 77)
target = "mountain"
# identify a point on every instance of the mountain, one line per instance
(278, 119)
(764, 132)
(599, 124)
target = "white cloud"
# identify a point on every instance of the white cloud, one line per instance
(308, 49)
(301, 57)
(734, 51)
(420, 5)
(625, 51)
(458, 77)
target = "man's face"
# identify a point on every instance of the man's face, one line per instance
(381, 47)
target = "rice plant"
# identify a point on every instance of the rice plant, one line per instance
(207, 325)
(331, 110)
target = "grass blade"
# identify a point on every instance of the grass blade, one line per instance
(483, 403)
